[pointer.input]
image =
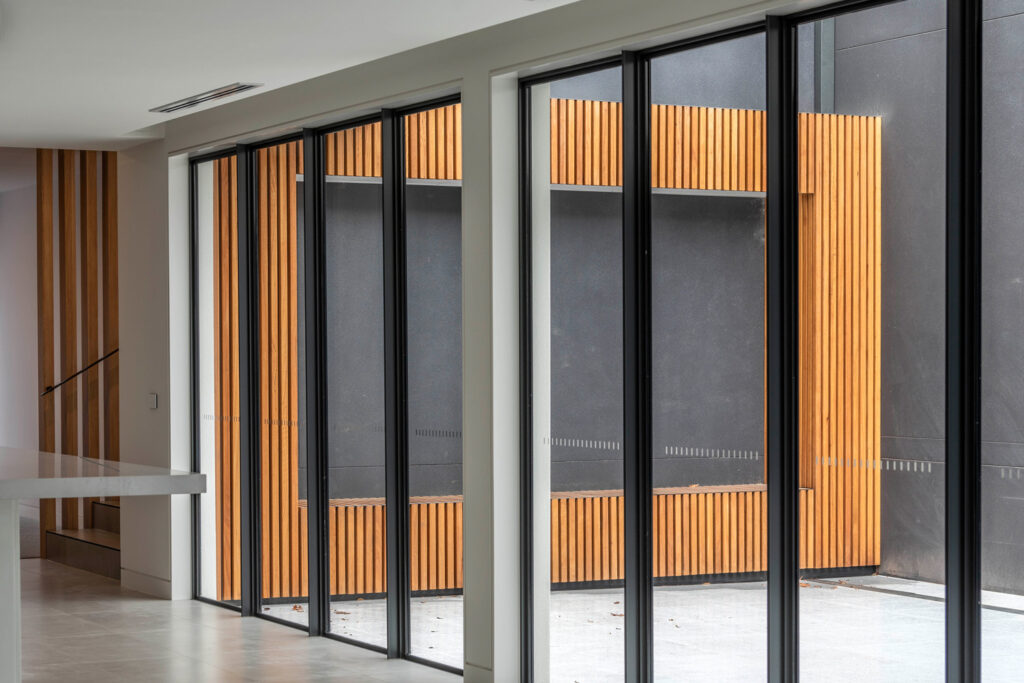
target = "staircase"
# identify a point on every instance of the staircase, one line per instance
(97, 549)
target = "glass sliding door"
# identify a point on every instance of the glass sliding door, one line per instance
(283, 559)
(577, 348)
(1002, 316)
(872, 343)
(216, 335)
(355, 384)
(433, 263)
(708, 301)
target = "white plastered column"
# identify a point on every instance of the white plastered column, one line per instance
(490, 381)
(154, 359)
(540, 242)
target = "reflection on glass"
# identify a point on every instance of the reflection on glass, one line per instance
(707, 123)
(433, 198)
(1002, 420)
(217, 311)
(872, 255)
(284, 518)
(577, 378)
(355, 384)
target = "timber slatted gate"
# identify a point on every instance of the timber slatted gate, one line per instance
(697, 530)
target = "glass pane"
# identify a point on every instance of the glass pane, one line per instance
(284, 518)
(433, 195)
(217, 303)
(355, 384)
(708, 251)
(872, 330)
(1002, 420)
(577, 378)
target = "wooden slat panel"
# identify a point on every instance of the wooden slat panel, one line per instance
(89, 338)
(89, 315)
(77, 250)
(111, 341)
(68, 305)
(44, 311)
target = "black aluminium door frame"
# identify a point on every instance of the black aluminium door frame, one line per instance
(195, 417)
(250, 444)
(316, 434)
(963, 341)
(963, 338)
(396, 389)
(396, 422)
(314, 207)
(637, 455)
(637, 284)
(315, 440)
(781, 350)
(393, 157)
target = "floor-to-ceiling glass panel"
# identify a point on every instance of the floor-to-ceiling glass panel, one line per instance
(433, 220)
(283, 523)
(708, 311)
(576, 235)
(216, 289)
(354, 299)
(871, 343)
(1002, 363)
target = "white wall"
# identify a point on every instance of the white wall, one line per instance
(153, 335)
(19, 350)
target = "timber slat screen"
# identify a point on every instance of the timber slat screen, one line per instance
(698, 531)
(76, 233)
(225, 363)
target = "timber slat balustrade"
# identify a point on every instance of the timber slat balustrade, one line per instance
(698, 531)
(76, 233)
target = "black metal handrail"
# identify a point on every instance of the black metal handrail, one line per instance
(50, 390)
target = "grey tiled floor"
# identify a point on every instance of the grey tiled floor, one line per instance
(855, 630)
(85, 628)
(80, 627)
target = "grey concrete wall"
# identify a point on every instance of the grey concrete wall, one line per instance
(434, 303)
(890, 61)
(1003, 298)
(586, 340)
(708, 340)
(355, 332)
(708, 325)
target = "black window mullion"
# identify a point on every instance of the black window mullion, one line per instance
(396, 412)
(636, 370)
(193, 297)
(525, 387)
(782, 353)
(963, 340)
(313, 239)
(248, 379)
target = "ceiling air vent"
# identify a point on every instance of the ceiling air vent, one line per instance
(196, 100)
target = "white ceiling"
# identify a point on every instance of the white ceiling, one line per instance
(77, 73)
(17, 168)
